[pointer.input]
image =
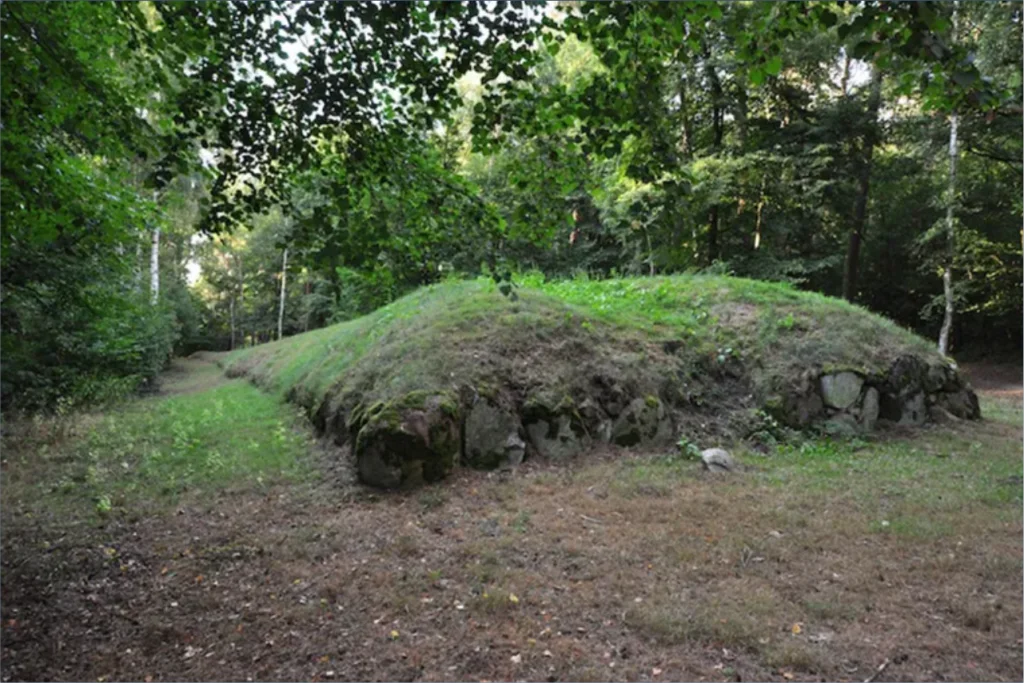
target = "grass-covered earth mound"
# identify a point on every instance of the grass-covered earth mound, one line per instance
(456, 373)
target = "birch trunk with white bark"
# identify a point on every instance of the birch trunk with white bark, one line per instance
(280, 312)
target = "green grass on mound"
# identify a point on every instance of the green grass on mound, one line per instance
(695, 333)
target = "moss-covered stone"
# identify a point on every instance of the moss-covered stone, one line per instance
(642, 422)
(491, 437)
(406, 442)
(962, 404)
(555, 438)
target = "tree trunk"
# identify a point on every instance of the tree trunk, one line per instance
(305, 318)
(686, 144)
(860, 207)
(241, 299)
(845, 81)
(742, 111)
(231, 307)
(760, 212)
(284, 276)
(138, 265)
(717, 122)
(154, 268)
(947, 274)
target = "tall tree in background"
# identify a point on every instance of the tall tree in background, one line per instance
(860, 210)
(284, 280)
(947, 276)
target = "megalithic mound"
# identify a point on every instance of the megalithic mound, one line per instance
(458, 374)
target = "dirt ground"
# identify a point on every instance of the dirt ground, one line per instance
(998, 379)
(548, 573)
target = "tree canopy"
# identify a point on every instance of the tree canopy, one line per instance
(388, 145)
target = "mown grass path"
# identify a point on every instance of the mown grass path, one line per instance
(193, 536)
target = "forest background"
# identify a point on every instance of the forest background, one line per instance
(186, 176)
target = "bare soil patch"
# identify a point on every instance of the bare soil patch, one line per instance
(998, 379)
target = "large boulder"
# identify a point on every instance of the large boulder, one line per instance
(407, 442)
(905, 410)
(595, 421)
(938, 377)
(869, 408)
(555, 437)
(842, 425)
(906, 377)
(643, 421)
(798, 409)
(610, 395)
(962, 404)
(841, 390)
(492, 437)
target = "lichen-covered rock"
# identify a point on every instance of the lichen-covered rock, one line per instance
(644, 421)
(491, 437)
(907, 410)
(798, 409)
(962, 404)
(595, 421)
(906, 377)
(841, 390)
(937, 376)
(842, 425)
(611, 397)
(408, 441)
(869, 409)
(555, 437)
(515, 450)
(717, 460)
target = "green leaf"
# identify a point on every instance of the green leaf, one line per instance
(773, 66)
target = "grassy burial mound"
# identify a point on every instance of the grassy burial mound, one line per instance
(458, 374)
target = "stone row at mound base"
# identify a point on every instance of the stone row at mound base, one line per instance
(912, 392)
(422, 436)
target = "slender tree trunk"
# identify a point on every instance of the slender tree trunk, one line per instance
(742, 111)
(860, 207)
(138, 264)
(241, 299)
(760, 210)
(305, 318)
(154, 268)
(713, 214)
(947, 274)
(845, 81)
(284, 276)
(231, 307)
(717, 122)
(686, 144)
(650, 253)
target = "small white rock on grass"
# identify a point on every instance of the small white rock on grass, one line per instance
(717, 460)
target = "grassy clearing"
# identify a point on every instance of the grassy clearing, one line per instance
(202, 436)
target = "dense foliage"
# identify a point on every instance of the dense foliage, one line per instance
(311, 162)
